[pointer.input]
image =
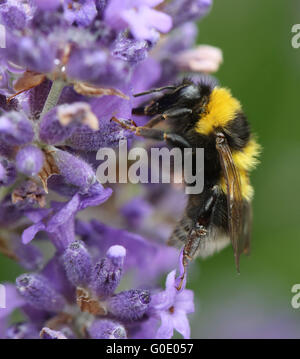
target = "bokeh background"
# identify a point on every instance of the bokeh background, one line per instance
(263, 71)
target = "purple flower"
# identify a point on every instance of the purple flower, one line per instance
(129, 305)
(74, 170)
(13, 17)
(15, 129)
(82, 12)
(139, 16)
(98, 67)
(22, 331)
(38, 292)
(78, 263)
(47, 5)
(7, 172)
(172, 307)
(130, 50)
(107, 273)
(29, 160)
(107, 329)
(187, 10)
(13, 301)
(47, 333)
(58, 221)
(135, 211)
(32, 53)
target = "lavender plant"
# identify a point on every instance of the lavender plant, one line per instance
(67, 68)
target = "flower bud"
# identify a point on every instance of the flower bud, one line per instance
(202, 58)
(107, 273)
(74, 170)
(47, 333)
(7, 172)
(22, 331)
(129, 305)
(51, 131)
(15, 129)
(38, 292)
(78, 263)
(107, 329)
(29, 160)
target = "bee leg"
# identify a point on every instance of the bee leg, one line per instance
(154, 121)
(194, 238)
(153, 133)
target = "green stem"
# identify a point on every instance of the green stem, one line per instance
(53, 97)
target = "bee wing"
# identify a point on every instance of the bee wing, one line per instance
(235, 206)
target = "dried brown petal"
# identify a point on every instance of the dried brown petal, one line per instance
(86, 89)
(87, 303)
(28, 81)
(48, 169)
(29, 190)
(78, 112)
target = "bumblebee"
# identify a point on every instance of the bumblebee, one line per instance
(204, 115)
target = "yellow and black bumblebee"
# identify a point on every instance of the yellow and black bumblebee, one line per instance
(204, 115)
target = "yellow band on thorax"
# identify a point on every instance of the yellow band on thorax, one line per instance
(221, 109)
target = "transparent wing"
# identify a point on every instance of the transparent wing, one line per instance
(236, 210)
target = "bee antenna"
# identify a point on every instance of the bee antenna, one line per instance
(155, 90)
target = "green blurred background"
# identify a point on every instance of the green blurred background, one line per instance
(263, 71)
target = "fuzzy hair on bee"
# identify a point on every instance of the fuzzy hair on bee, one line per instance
(204, 115)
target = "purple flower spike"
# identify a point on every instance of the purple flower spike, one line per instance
(47, 5)
(47, 333)
(15, 129)
(187, 10)
(51, 131)
(78, 263)
(22, 331)
(98, 67)
(37, 291)
(7, 172)
(35, 54)
(139, 16)
(130, 50)
(29, 160)
(107, 329)
(107, 273)
(129, 305)
(172, 307)
(74, 170)
(29, 256)
(135, 212)
(82, 12)
(13, 17)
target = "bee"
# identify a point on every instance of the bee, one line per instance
(204, 115)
